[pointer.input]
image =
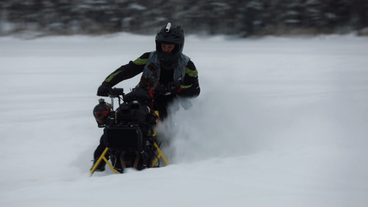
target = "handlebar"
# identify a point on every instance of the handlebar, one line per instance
(115, 92)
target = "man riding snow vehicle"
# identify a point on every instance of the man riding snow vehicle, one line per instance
(167, 75)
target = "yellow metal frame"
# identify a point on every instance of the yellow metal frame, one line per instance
(160, 154)
(102, 157)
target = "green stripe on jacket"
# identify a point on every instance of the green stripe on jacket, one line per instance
(191, 73)
(140, 61)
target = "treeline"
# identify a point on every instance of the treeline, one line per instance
(232, 17)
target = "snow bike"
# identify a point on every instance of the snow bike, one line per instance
(129, 131)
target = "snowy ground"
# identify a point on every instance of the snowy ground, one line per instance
(280, 122)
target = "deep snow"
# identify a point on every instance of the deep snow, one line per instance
(280, 122)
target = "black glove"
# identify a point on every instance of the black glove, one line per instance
(158, 90)
(104, 89)
(173, 87)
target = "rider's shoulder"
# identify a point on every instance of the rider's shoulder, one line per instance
(145, 55)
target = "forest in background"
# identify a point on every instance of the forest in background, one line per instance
(213, 17)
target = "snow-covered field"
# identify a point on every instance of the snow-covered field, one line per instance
(280, 122)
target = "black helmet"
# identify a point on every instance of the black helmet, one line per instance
(101, 112)
(170, 34)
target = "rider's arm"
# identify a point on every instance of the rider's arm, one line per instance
(190, 86)
(127, 71)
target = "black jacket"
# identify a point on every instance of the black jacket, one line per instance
(189, 86)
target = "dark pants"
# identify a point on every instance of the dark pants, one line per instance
(162, 103)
